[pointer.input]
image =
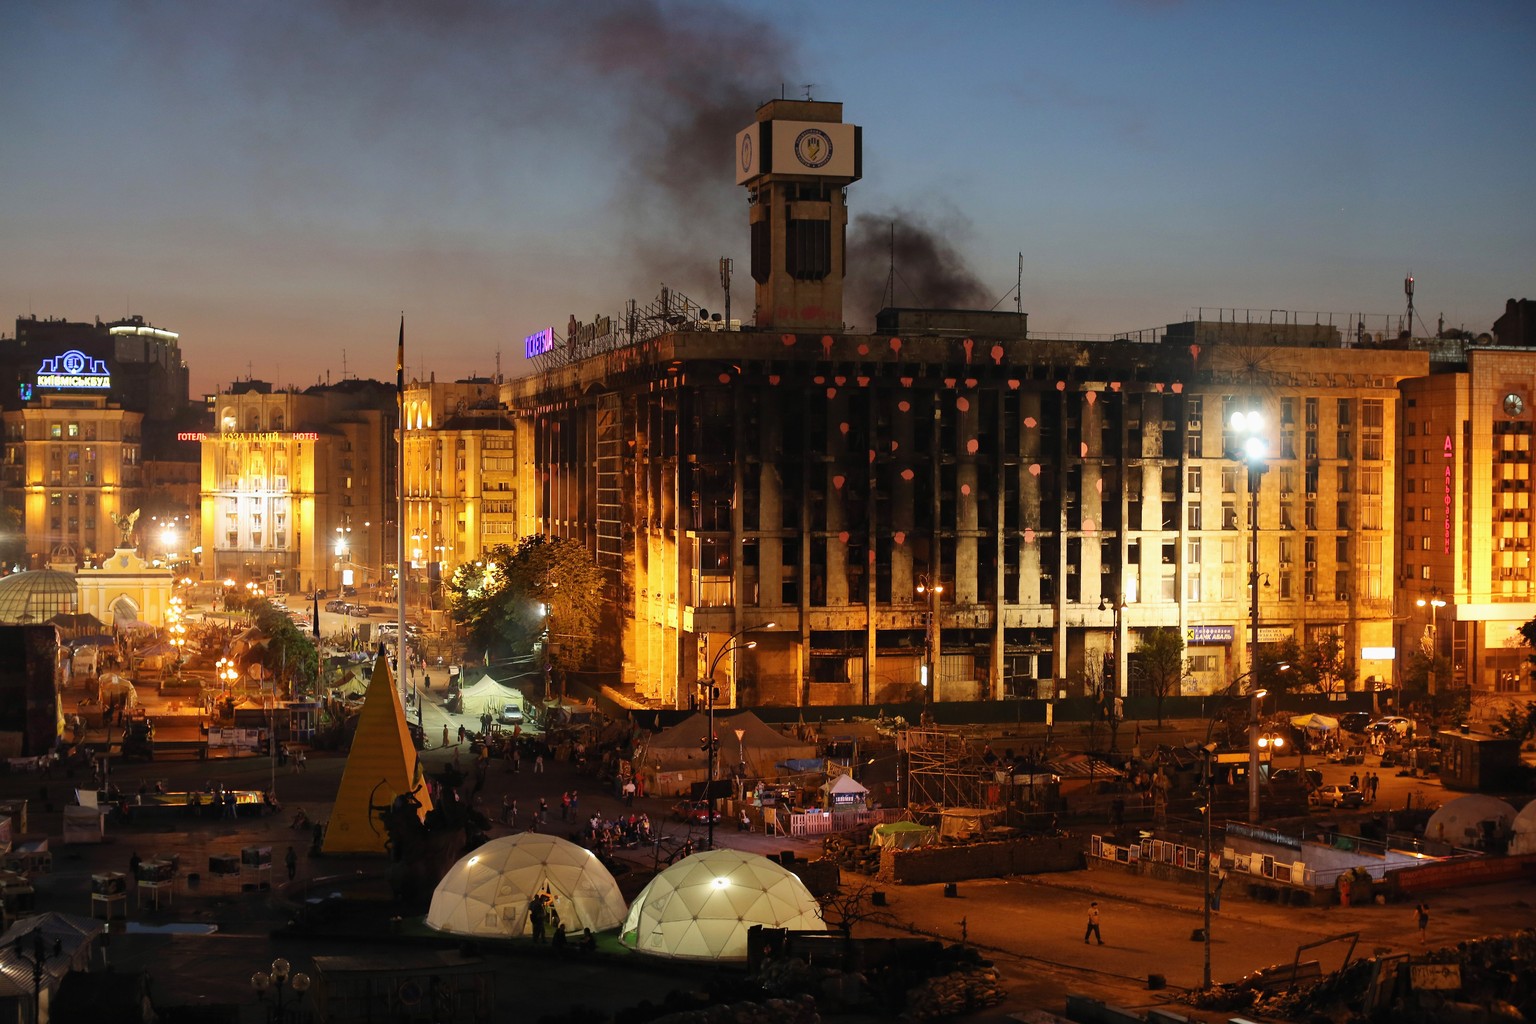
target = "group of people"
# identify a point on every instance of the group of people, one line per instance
(544, 919)
(623, 832)
(1366, 785)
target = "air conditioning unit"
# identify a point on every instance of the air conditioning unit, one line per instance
(1311, 565)
(1311, 495)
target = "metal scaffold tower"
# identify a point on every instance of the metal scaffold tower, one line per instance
(941, 770)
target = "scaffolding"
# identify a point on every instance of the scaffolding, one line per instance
(941, 770)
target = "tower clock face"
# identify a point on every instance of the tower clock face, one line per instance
(1514, 405)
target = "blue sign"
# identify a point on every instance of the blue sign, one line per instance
(538, 343)
(1210, 634)
(74, 370)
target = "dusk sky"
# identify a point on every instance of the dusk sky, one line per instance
(279, 180)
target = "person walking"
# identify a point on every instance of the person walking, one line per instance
(291, 859)
(1093, 924)
(1421, 915)
(538, 764)
(445, 734)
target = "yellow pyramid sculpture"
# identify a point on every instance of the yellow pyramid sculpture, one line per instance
(381, 766)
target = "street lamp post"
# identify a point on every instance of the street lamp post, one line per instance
(279, 981)
(933, 590)
(1247, 427)
(1208, 749)
(711, 742)
(1434, 604)
(1119, 687)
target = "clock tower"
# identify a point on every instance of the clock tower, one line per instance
(795, 161)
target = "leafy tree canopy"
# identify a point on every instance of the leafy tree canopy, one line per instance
(508, 599)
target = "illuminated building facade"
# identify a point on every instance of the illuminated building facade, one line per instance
(460, 476)
(1065, 494)
(135, 364)
(1466, 534)
(72, 463)
(298, 486)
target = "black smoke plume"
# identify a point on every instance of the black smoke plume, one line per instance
(899, 259)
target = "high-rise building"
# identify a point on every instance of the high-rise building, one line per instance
(1466, 572)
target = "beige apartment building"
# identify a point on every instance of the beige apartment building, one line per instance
(460, 480)
(298, 486)
(76, 460)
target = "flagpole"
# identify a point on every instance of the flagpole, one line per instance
(400, 633)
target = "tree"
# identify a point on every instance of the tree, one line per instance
(545, 591)
(1161, 664)
(1281, 666)
(289, 654)
(847, 906)
(1331, 663)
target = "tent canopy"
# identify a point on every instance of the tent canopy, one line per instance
(487, 693)
(844, 784)
(1460, 821)
(701, 907)
(902, 835)
(760, 742)
(488, 891)
(1315, 723)
(964, 822)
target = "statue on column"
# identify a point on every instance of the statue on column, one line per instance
(125, 524)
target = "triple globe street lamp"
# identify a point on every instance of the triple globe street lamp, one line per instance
(279, 981)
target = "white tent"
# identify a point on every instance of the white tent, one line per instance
(701, 907)
(1322, 724)
(1460, 822)
(489, 694)
(487, 892)
(845, 793)
(1524, 828)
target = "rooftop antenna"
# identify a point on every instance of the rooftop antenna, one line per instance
(1018, 288)
(725, 283)
(808, 86)
(889, 297)
(343, 363)
(1408, 291)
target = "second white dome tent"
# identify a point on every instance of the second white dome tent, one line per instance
(702, 907)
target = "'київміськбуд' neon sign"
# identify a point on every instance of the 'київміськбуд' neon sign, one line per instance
(74, 370)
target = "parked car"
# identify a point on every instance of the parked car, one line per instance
(336, 605)
(1395, 724)
(1355, 721)
(1338, 796)
(1292, 775)
(694, 812)
(511, 714)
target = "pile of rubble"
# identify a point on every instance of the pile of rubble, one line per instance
(951, 995)
(801, 1010)
(1487, 979)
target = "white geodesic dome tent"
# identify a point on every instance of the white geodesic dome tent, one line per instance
(488, 891)
(1524, 829)
(701, 907)
(1460, 822)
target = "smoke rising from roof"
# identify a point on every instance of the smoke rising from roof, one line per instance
(899, 259)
